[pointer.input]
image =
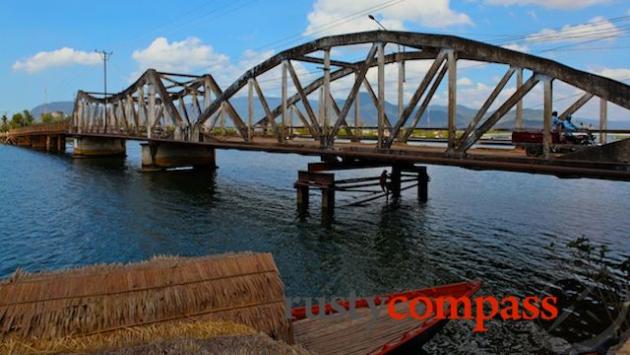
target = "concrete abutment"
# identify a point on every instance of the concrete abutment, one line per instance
(91, 147)
(157, 156)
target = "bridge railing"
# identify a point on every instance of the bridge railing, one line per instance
(53, 127)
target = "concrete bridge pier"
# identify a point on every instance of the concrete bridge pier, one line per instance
(88, 147)
(56, 144)
(158, 156)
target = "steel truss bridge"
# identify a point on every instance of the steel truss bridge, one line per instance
(193, 110)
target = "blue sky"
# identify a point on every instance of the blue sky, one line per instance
(225, 37)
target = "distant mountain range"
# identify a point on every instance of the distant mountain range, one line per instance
(436, 116)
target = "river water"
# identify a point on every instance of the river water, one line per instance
(515, 232)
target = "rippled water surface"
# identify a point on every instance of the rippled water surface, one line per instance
(509, 230)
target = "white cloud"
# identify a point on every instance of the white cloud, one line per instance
(622, 74)
(183, 56)
(517, 47)
(555, 4)
(596, 28)
(464, 81)
(58, 58)
(194, 56)
(533, 15)
(331, 16)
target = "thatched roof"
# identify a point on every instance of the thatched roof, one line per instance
(243, 288)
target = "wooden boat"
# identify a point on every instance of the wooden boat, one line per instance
(370, 333)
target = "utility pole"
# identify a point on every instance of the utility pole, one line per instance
(105, 56)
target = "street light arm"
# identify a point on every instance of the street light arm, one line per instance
(377, 21)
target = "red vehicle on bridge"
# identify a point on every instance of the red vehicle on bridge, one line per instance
(561, 142)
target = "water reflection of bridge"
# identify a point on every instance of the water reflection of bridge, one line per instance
(183, 118)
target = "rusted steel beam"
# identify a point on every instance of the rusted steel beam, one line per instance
(236, 118)
(615, 91)
(425, 103)
(519, 105)
(548, 109)
(304, 99)
(344, 122)
(166, 100)
(603, 120)
(337, 63)
(372, 94)
(304, 121)
(499, 113)
(486, 105)
(360, 77)
(380, 108)
(326, 95)
(452, 98)
(341, 73)
(576, 106)
(422, 87)
(284, 105)
(263, 102)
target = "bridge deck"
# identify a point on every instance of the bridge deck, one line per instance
(479, 158)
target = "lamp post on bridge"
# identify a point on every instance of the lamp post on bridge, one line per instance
(105, 56)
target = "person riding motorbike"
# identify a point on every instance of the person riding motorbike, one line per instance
(569, 128)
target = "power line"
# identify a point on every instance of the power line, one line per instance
(105, 55)
(323, 28)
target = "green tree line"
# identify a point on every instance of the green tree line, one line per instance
(24, 119)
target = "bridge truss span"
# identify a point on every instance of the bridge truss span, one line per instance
(314, 99)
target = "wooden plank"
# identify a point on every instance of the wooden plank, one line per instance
(361, 335)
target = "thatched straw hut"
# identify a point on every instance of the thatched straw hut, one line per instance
(240, 288)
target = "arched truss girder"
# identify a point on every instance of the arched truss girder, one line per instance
(441, 48)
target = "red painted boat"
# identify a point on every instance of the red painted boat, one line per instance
(372, 331)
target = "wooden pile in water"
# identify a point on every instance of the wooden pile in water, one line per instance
(241, 288)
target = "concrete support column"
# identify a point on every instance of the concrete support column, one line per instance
(423, 184)
(50, 144)
(61, 144)
(85, 147)
(302, 196)
(603, 120)
(161, 156)
(328, 199)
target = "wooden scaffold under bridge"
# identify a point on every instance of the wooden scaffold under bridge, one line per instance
(321, 176)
